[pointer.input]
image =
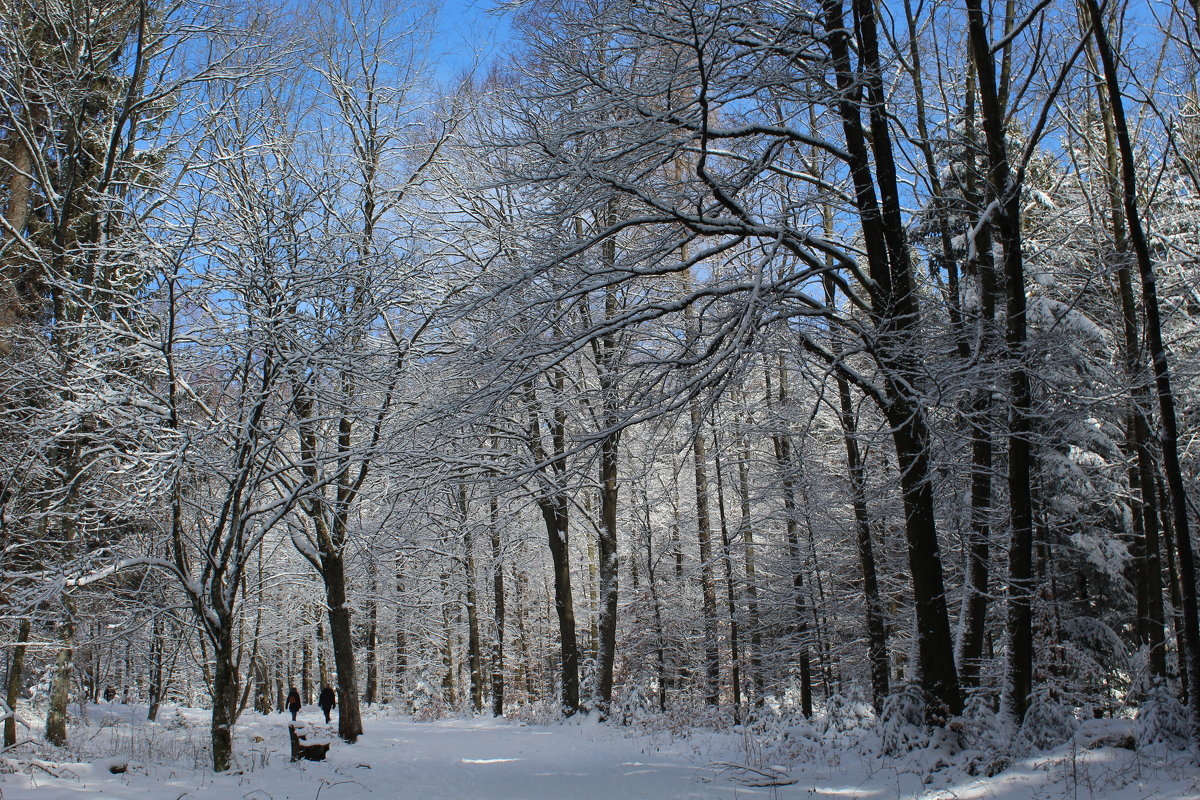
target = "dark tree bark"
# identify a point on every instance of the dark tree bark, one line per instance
(341, 634)
(15, 672)
(224, 696)
(157, 669)
(474, 651)
(876, 625)
(606, 355)
(1162, 375)
(1007, 222)
(60, 687)
(1151, 621)
(896, 319)
(751, 567)
(498, 608)
(553, 503)
(372, 691)
(735, 659)
(782, 444)
(708, 582)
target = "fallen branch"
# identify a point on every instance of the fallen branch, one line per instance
(18, 744)
(774, 777)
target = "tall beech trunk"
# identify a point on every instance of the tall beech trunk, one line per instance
(157, 668)
(60, 687)
(498, 608)
(554, 506)
(224, 696)
(400, 669)
(449, 666)
(1151, 625)
(751, 567)
(593, 590)
(554, 513)
(16, 287)
(1007, 222)
(735, 659)
(969, 653)
(783, 460)
(1162, 374)
(606, 542)
(474, 652)
(896, 320)
(1175, 592)
(306, 683)
(13, 689)
(372, 690)
(874, 621)
(708, 581)
(877, 646)
(342, 636)
(607, 555)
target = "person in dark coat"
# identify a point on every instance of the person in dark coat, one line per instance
(327, 701)
(292, 703)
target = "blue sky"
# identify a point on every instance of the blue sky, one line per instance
(468, 31)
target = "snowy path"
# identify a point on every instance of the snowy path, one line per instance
(403, 760)
(484, 759)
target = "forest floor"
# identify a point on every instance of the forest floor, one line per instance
(482, 759)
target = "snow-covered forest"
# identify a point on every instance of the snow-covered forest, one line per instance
(670, 363)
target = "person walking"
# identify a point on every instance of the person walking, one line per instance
(292, 703)
(327, 701)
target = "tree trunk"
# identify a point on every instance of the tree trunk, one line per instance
(730, 596)
(372, 691)
(1151, 621)
(877, 647)
(341, 634)
(751, 567)
(1162, 374)
(605, 350)
(554, 507)
(14, 296)
(977, 573)
(60, 689)
(224, 699)
(896, 317)
(401, 653)
(1007, 222)
(498, 607)
(474, 655)
(306, 689)
(449, 681)
(157, 676)
(708, 589)
(782, 444)
(554, 513)
(609, 574)
(15, 669)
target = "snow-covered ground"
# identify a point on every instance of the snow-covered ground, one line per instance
(402, 759)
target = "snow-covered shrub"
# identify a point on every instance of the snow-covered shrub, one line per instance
(427, 702)
(176, 721)
(543, 711)
(1048, 723)
(1161, 721)
(983, 736)
(848, 712)
(903, 721)
(633, 705)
